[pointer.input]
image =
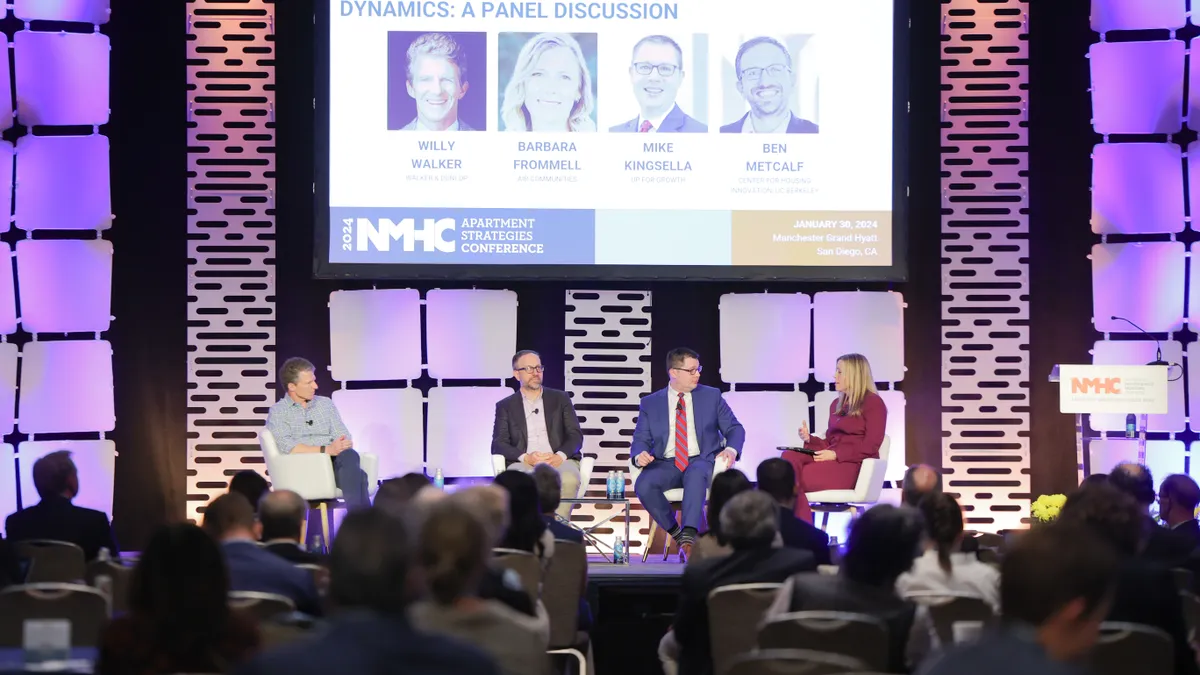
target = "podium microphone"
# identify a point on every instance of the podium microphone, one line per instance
(1158, 359)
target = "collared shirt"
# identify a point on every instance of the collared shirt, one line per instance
(535, 426)
(317, 423)
(421, 126)
(655, 122)
(693, 442)
(748, 126)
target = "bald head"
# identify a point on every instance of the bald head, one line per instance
(282, 514)
(1134, 480)
(920, 480)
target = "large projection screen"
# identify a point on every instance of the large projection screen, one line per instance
(687, 139)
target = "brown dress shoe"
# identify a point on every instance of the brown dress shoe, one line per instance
(685, 551)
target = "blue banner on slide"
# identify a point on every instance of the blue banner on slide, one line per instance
(433, 236)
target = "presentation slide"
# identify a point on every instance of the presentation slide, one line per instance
(686, 133)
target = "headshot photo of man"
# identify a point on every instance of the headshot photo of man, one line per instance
(429, 81)
(656, 71)
(766, 78)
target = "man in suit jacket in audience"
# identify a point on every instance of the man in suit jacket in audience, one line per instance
(749, 522)
(1177, 499)
(1163, 546)
(230, 520)
(55, 517)
(281, 515)
(549, 487)
(537, 425)
(777, 478)
(370, 582)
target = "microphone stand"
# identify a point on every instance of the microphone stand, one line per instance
(1144, 419)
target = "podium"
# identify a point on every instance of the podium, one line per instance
(1127, 390)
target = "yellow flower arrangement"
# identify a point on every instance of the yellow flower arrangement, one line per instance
(1046, 508)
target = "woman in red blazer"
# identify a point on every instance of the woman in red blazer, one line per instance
(857, 419)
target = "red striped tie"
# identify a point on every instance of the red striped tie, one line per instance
(681, 439)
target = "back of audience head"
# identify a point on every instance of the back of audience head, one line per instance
(1178, 497)
(179, 588)
(394, 494)
(777, 478)
(725, 486)
(1059, 579)
(370, 564)
(920, 480)
(944, 524)
(882, 545)
(230, 516)
(1110, 513)
(489, 503)
(525, 525)
(281, 515)
(1134, 480)
(750, 520)
(1094, 478)
(55, 475)
(453, 551)
(249, 484)
(549, 487)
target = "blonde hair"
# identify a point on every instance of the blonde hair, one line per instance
(856, 372)
(513, 111)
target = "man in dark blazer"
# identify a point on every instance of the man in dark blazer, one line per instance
(537, 425)
(55, 517)
(1163, 546)
(749, 523)
(681, 433)
(777, 478)
(1177, 499)
(281, 516)
(230, 520)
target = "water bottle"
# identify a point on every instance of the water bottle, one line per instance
(1130, 426)
(439, 481)
(621, 484)
(610, 484)
(619, 551)
(104, 555)
(318, 544)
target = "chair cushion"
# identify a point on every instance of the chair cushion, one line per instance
(675, 495)
(833, 497)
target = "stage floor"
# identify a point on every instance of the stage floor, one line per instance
(636, 569)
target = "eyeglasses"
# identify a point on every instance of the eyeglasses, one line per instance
(664, 69)
(530, 369)
(691, 371)
(776, 70)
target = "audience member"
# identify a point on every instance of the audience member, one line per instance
(724, 486)
(777, 478)
(1146, 592)
(55, 517)
(489, 503)
(526, 529)
(250, 484)
(881, 547)
(1161, 545)
(1094, 478)
(453, 552)
(396, 493)
(371, 587)
(1055, 587)
(281, 515)
(179, 620)
(919, 480)
(10, 565)
(229, 519)
(549, 489)
(1177, 499)
(750, 523)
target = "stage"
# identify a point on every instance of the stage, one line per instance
(632, 607)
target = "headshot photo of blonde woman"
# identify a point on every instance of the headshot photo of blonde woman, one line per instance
(549, 82)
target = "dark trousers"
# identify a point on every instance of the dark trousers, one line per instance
(662, 475)
(351, 479)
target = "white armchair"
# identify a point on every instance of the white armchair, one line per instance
(864, 494)
(311, 476)
(675, 496)
(586, 466)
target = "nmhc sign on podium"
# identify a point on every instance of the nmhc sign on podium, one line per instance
(1141, 390)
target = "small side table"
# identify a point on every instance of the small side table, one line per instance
(589, 532)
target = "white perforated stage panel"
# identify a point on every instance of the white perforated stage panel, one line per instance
(56, 377)
(772, 420)
(607, 362)
(1140, 281)
(63, 183)
(1137, 353)
(53, 302)
(8, 292)
(460, 429)
(470, 334)
(388, 423)
(62, 78)
(1137, 188)
(6, 175)
(867, 323)
(87, 11)
(8, 481)
(894, 400)
(765, 337)
(375, 335)
(1162, 457)
(8, 388)
(985, 226)
(96, 461)
(1137, 87)
(231, 238)
(7, 105)
(1137, 15)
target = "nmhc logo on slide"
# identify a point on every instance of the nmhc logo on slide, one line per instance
(378, 235)
(1097, 385)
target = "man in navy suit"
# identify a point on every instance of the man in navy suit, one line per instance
(681, 432)
(765, 79)
(656, 73)
(55, 517)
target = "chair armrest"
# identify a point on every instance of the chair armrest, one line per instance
(309, 475)
(499, 464)
(587, 466)
(369, 463)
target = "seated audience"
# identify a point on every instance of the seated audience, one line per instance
(1094, 478)
(1161, 545)
(777, 478)
(526, 529)
(179, 620)
(549, 488)
(229, 519)
(249, 484)
(489, 503)
(453, 552)
(881, 547)
(395, 493)
(55, 517)
(749, 522)
(1146, 592)
(725, 485)
(281, 515)
(1177, 499)
(1056, 583)
(10, 565)
(372, 587)
(919, 480)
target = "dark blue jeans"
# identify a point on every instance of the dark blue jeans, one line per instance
(352, 480)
